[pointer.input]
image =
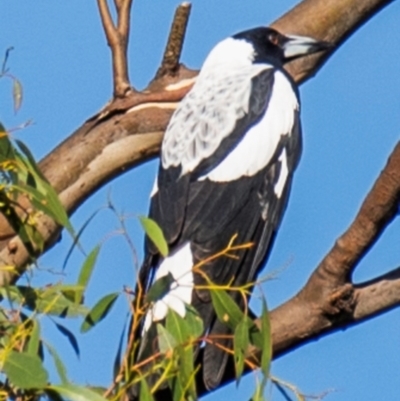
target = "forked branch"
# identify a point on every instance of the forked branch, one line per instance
(117, 39)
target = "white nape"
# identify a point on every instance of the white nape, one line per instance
(230, 51)
(283, 174)
(259, 144)
(180, 265)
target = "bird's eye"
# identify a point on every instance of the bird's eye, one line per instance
(273, 37)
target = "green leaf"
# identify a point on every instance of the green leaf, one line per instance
(145, 393)
(86, 272)
(60, 367)
(99, 311)
(183, 333)
(70, 336)
(25, 371)
(54, 207)
(77, 237)
(154, 232)
(52, 301)
(17, 94)
(34, 338)
(166, 341)
(49, 300)
(160, 288)
(177, 326)
(7, 152)
(240, 343)
(76, 393)
(258, 393)
(194, 321)
(227, 309)
(117, 359)
(266, 349)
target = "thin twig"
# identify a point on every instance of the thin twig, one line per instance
(106, 20)
(117, 39)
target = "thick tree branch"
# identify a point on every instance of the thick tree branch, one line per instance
(330, 20)
(378, 209)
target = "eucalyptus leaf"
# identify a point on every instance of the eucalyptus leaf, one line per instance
(99, 311)
(24, 370)
(17, 94)
(34, 338)
(70, 337)
(145, 393)
(60, 367)
(160, 288)
(166, 341)
(226, 308)
(72, 392)
(86, 271)
(240, 343)
(154, 232)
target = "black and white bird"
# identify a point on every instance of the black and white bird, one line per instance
(227, 162)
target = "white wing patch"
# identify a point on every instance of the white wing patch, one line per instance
(180, 266)
(208, 114)
(258, 146)
(283, 174)
(155, 187)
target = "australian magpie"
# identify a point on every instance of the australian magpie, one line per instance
(227, 162)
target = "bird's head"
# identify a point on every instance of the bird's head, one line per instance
(263, 45)
(270, 44)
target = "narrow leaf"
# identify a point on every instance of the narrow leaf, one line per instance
(55, 303)
(70, 337)
(117, 359)
(194, 321)
(60, 367)
(7, 152)
(25, 371)
(76, 393)
(266, 355)
(154, 232)
(86, 271)
(77, 237)
(227, 309)
(145, 393)
(240, 343)
(17, 94)
(160, 288)
(166, 340)
(99, 312)
(34, 339)
(52, 200)
(177, 326)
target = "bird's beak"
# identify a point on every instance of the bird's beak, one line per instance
(298, 46)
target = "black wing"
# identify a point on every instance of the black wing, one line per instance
(207, 214)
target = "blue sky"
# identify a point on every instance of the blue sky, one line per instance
(351, 121)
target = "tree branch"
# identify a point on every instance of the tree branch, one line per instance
(172, 54)
(117, 39)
